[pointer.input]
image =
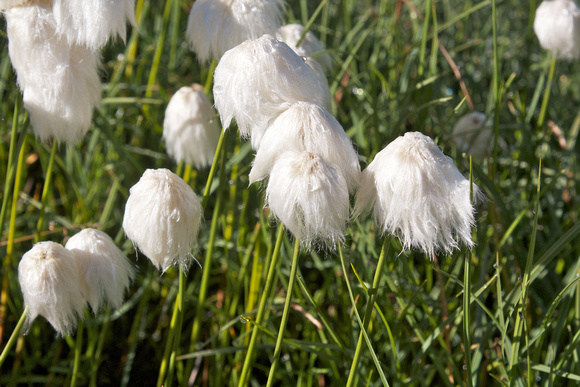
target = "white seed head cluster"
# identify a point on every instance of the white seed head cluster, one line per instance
(59, 82)
(557, 26)
(54, 48)
(190, 128)
(418, 195)
(472, 136)
(310, 197)
(49, 280)
(105, 272)
(162, 218)
(259, 79)
(306, 127)
(291, 34)
(215, 26)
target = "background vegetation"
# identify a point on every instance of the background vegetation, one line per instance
(393, 72)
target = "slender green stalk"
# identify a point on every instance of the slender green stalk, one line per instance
(424, 38)
(270, 279)
(467, 316)
(45, 190)
(360, 321)
(10, 166)
(521, 312)
(78, 351)
(368, 312)
(213, 169)
(547, 90)
(13, 338)
(167, 367)
(496, 91)
(285, 314)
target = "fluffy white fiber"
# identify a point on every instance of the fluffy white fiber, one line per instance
(93, 22)
(105, 272)
(418, 195)
(258, 80)
(471, 136)
(557, 26)
(49, 280)
(60, 83)
(190, 128)
(162, 218)
(215, 26)
(306, 127)
(310, 197)
(291, 33)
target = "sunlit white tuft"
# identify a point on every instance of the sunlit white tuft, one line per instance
(162, 218)
(190, 128)
(60, 83)
(49, 280)
(93, 22)
(310, 197)
(418, 195)
(557, 26)
(215, 26)
(105, 272)
(306, 127)
(258, 80)
(471, 136)
(291, 33)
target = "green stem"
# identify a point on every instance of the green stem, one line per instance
(467, 316)
(285, 314)
(45, 189)
(547, 90)
(213, 169)
(78, 350)
(13, 338)
(270, 279)
(367, 317)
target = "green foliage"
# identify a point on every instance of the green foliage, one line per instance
(391, 75)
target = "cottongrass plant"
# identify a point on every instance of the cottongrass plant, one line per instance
(50, 284)
(258, 80)
(291, 34)
(215, 26)
(190, 128)
(557, 26)
(162, 219)
(59, 81)
(471, 136)
(105, 272)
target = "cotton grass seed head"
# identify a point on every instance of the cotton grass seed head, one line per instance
(190, 128)
(557, 26)
(418, 195)
(310, 197)
(5, 4)
(472, 136)
(306, 127)
(49, 280)
(92, 23)
(105, 272)
(215, 26)
(258, 80)
(291, 33)
(60, 83)
(162, 218)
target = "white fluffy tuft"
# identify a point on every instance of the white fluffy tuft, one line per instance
(92, 23)
(310, 197)
(49, 280)
(104, 270)
(215, 26)
(306, 127)
(190, 128)
(471, 136)
(258, 80)
(291, 33)
(557, 26)
(162, 218)
(60, 83)
(418, 195)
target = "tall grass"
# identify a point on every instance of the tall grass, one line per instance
(506, 313)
